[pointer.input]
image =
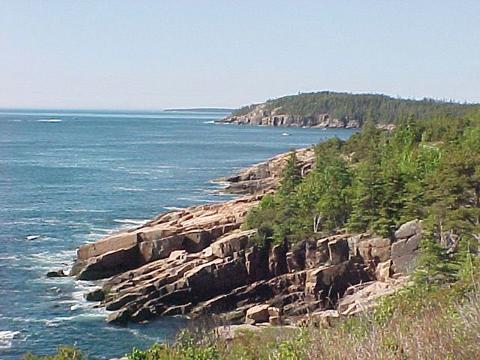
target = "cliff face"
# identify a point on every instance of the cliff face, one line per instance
(261, 115)
(198, 261)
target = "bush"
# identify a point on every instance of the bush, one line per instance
(63, 353)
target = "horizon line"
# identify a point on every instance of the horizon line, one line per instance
(230, 108)
(87, 109)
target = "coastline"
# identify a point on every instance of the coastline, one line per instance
(257, 180)
(121, 194)
(199, 261)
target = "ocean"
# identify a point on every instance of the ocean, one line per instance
(71, 177)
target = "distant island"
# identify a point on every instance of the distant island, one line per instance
(327, 109)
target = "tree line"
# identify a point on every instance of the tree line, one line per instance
(376, 180)
(379, 109)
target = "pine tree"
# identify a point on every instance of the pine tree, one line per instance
(291, 176)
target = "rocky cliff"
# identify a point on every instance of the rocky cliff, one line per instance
(199, 261)
(262, 115)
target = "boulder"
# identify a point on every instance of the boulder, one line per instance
(216, 277)
(275, 320)
(327, 280)
(277, 260)
(273, 311)
(374, 249)
(406, 246)
(256, 263)
(404, 254)
(323, 318)
(404, 264)
(111, 263)
(361, 297)
(382, 272)
(234, 331)
(257, 314)
(297, 256)
(310, 254)
(177, 255)
(142, 314)
(196, 241)
(338, 251)
(106, 245)
(232, 242)
(77, 267)
(119, 317)
(56, 273)
(323, 251)
(177, 310)
(161, 247)
(122, 301)
(408, 229)
(95, 295)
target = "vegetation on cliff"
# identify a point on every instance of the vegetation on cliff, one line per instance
(379, 109)
(376, 180)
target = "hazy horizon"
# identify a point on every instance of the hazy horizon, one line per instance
(204, 108)
(150, 55)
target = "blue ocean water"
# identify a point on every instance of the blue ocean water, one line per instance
(69, 177)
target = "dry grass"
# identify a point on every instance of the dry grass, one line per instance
(438, 330)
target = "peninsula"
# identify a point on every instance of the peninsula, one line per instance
(328, 109)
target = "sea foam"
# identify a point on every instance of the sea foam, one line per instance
(6, 338)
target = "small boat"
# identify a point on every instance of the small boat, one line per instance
(32, 237)
(286, 134)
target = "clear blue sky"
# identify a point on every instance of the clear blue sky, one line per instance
(174, 53)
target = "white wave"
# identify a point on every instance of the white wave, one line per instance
(51, 221)
(51, 323)
(30, 208)
(129, 189)
(197, 200)
(6, 338)
(138, 172)
(219, 183)
(141, 335)
(87, 210)
(50, 120)
(173, 208)
(47, 260)
(56, 321)
(9, 257)
(21, 319)
(209, 122)
(99, 230)
(130, 221)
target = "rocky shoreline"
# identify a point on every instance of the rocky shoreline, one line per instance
(200, 261)
(261, 115)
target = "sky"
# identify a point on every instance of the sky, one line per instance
(159, 54)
